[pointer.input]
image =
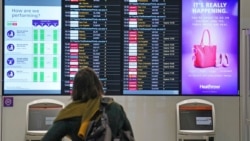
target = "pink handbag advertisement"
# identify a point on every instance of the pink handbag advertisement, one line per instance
(210, 48)
(205, 54)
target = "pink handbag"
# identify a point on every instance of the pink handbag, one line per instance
(205, 55)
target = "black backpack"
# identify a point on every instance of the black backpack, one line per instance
(99, 129)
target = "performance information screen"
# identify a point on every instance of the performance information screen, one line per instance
(32, 47)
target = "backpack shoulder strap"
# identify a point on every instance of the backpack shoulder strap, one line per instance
(106, 101)
(98, 128)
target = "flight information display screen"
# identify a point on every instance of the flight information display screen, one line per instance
(92, 37)
(151, 47)
(134, 46)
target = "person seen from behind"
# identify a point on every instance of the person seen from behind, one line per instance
(73, 120)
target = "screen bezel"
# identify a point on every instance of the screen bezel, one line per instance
(195, 103)
(41, 104)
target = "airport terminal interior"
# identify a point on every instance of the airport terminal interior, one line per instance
(180, 69)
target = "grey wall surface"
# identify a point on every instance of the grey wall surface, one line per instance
(152, 118)
(245, 13)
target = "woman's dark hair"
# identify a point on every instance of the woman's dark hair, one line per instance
(86, 85)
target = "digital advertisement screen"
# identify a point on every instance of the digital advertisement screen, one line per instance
(210, 47)
(135, 47)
